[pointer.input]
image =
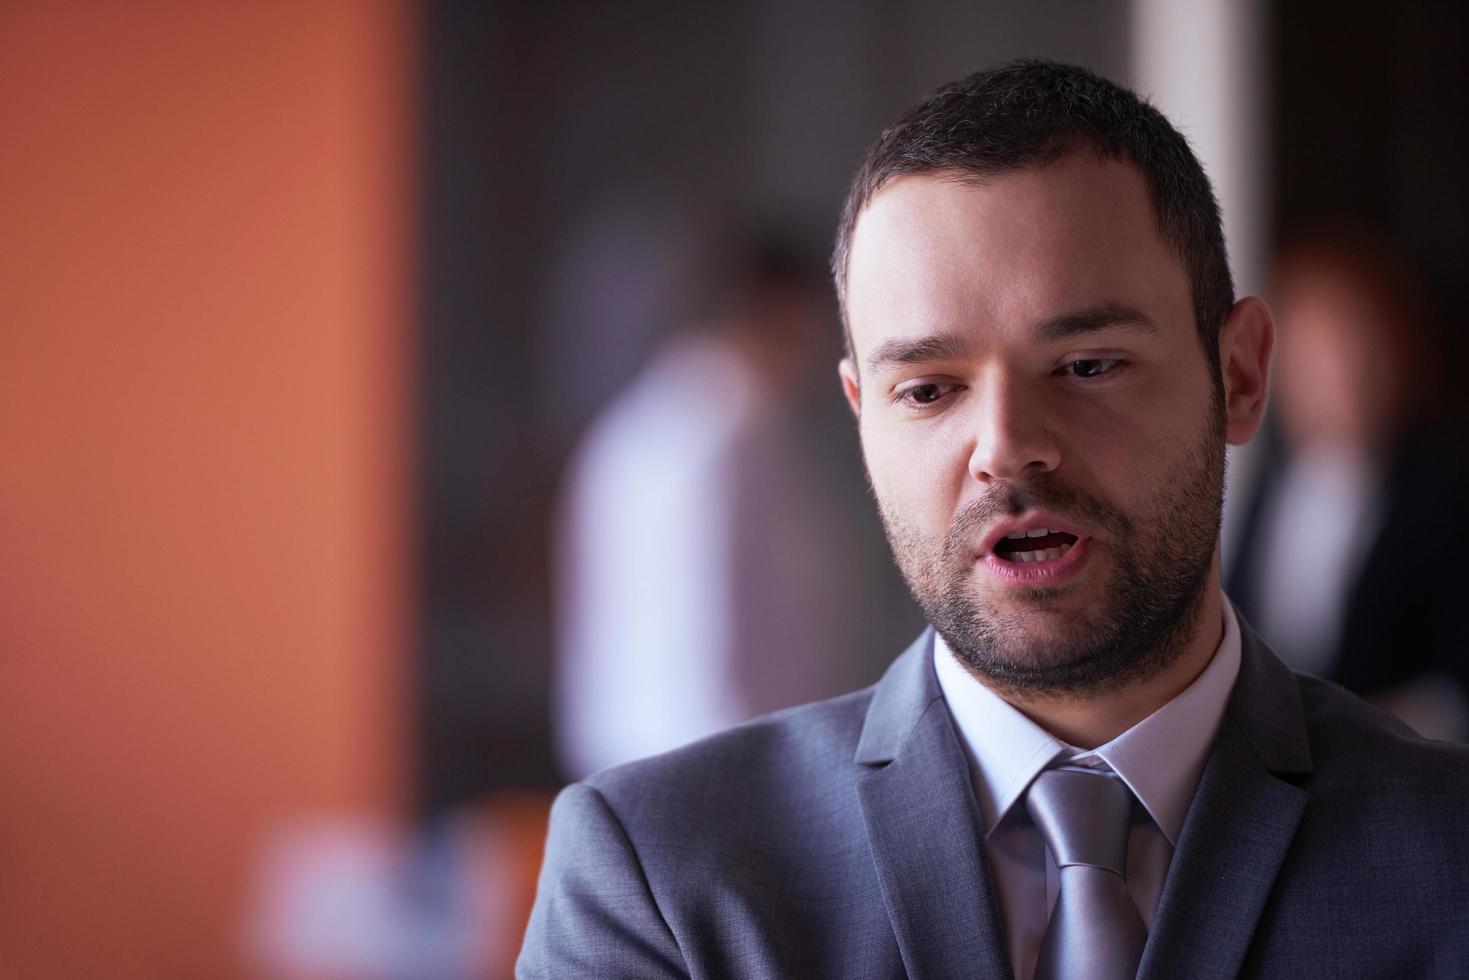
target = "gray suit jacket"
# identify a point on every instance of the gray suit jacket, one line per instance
(842, 839)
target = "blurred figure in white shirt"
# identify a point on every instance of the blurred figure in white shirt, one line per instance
(713, 563)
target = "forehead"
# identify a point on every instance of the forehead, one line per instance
(935, 252)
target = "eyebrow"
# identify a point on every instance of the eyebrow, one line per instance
(950, 346)
(935, 347)
(1107, 316)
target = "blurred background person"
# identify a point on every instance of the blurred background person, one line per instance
(710, 554)
(1350, 563)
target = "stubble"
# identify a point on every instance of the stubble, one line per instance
(1161, 553)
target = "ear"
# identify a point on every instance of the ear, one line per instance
(1245, 343)
(850, 386)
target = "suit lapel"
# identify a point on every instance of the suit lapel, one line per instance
(1238, 829)
(924, 829)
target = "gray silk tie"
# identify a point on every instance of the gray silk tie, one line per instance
(1095, 930)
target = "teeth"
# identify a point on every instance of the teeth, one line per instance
(1039, 532)
(1049, 554)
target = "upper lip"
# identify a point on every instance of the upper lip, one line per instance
(1019, 525)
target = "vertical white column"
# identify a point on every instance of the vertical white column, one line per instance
(1205, 64)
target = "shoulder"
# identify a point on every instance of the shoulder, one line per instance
(1348, 731)
(755, 769)
(659, 862)
(726, 819)
(1368, 763)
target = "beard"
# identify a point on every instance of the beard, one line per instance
(1161, 554)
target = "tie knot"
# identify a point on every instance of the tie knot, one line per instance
(1084, 815)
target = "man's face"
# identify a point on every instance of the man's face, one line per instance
(1038, 419)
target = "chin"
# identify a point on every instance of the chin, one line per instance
(1043, 640)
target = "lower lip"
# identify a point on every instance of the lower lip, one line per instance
(1050, 572)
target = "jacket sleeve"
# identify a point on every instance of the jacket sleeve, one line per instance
(594, 913)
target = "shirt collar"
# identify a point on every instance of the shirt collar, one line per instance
(1160, 758)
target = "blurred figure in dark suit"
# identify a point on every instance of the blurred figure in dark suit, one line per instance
(1352, 558)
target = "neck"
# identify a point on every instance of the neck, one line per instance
(1088, 722)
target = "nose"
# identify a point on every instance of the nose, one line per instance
(1012, 435)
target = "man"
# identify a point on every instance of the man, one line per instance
(1089, 767)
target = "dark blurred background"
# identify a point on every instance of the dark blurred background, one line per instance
(326, 330)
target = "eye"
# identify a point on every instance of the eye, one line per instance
(1091, 367)
(924, 395)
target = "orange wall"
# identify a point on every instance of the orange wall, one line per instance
(204, 310)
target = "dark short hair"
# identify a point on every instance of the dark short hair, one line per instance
(1030, 113)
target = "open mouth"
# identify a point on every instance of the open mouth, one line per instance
(1038, 544)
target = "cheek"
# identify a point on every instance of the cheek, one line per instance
(917, 476)
(1121, 452)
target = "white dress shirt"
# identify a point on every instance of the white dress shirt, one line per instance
(1160, 758)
